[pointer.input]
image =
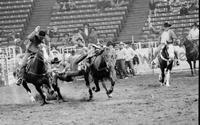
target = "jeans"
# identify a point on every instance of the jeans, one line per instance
(129, 64)
(120, 64)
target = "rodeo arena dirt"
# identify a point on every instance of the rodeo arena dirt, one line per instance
(99, 62)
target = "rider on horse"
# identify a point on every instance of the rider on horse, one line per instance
(36, 38)
(167, 36)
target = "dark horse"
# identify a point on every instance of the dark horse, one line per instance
(192, 53)
(165, 59)
(99, 71)
(36, 73)
(96, 71)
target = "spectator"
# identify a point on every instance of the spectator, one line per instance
(18, 42)
(93, 36)
(168, 5)
(194, 6)
(129, 58)
(80, 42)
(64, 6)
(120, 61)
(103, 4)
(152, 7)
(194, 34)
(85, 33)
(81, 35)
(120, 3)
(86, 29)
(56, 7)
(183, 10)
(135, 59)
(68, 39)
(72, 5)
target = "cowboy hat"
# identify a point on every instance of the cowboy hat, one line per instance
(55, 60)
(121, 43)
(167, 25)
(42, 33)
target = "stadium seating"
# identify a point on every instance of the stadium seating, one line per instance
(14, 16)
(108, 23)
(180, 23)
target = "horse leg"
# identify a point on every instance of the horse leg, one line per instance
(107, 92)
(162, 76)
(190, 63)
(24, 84)
(167, 78)
(194, 67)
(87, 82)
(112, 85)
(41, 94)
(97, 88)
(56, 87)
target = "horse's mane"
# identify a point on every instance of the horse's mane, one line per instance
(105, 54)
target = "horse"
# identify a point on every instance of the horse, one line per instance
(96, 71)
(192, 53)
(165, 61)
(36, 73)
(99, 71)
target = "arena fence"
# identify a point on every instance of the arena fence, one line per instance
(9, 60)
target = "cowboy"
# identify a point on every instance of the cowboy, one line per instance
(120, 61)
(167, 36)
(194, 34)
(36, 38)
(55, 59)
(130, 53)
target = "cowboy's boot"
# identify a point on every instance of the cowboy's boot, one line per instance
(21, 76)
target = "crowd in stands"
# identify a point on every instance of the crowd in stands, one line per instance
(181, 6)
(67, 5)
(14, 17)
(82, 36)
(104, 17)
(181, 14)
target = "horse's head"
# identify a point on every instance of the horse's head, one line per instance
(184, 41)
(168, 52)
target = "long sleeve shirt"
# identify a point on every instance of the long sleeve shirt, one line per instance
(121, 54)
(193, 34)
(129, 54)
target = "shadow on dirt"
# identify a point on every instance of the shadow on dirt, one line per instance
(154, 85)
(184, 74)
